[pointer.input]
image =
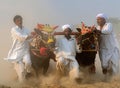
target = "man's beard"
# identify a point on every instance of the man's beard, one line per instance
(68, 36)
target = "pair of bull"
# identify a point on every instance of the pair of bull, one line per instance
(42, 51)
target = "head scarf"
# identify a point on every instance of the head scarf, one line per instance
(102, 15)
(66, 26)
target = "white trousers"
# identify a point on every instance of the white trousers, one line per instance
(111, 61)
(22, 67)
(71, 65)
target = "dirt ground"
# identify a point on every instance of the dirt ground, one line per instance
(8, 79)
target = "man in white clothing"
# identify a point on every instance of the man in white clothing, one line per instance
(109, 51)
(66, 52)
(19, 53)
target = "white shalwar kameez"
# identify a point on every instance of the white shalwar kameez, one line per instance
(19, 53)
(109, 50)
(65, 56)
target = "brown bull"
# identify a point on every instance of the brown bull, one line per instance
(41, 52)
(89, 44)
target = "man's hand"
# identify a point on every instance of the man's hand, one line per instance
(30, 36)
(93, 28)
(33, 33)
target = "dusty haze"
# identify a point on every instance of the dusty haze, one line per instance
(56, 13)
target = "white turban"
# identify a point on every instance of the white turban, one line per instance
(66, 26)
(102, 15)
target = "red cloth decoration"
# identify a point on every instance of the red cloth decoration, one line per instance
(43, 51)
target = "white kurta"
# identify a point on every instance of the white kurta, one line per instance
(109, 50)
(20, 46)
(66, 52)
(19, 53)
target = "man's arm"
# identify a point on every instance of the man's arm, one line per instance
(107, 29)
(58, 48)
(20, 36)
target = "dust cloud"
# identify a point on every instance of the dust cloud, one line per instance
(8, 78)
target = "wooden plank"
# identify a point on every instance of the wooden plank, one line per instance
(89, 50)
(62, 33)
